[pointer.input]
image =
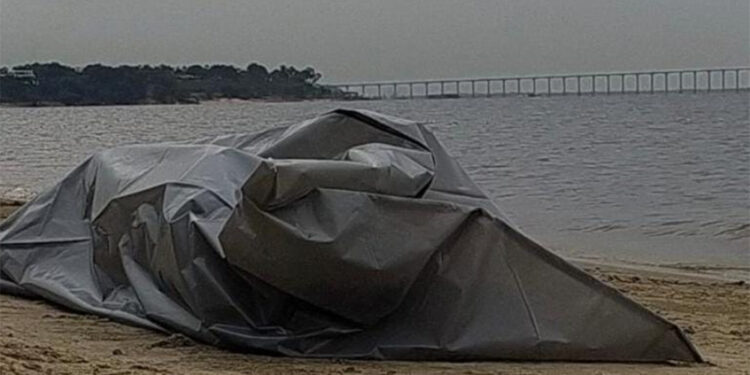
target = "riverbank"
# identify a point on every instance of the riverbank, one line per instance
(39, 337)
(44, 104)
(183, 102)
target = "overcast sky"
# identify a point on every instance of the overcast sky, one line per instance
(366, 40)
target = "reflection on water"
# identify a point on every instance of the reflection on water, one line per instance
(593, 174)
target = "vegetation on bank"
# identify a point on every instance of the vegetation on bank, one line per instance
(56, 84)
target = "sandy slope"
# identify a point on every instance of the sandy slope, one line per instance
(39, 338)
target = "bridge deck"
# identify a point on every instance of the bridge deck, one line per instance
(664, 81)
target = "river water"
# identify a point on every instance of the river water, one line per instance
(638, 178)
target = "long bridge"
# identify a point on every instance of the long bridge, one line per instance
(658, 81)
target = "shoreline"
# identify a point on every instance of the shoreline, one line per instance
(272, 100)
(205, 101)
(37, 336)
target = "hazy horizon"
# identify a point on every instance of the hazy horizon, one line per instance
(384, 40)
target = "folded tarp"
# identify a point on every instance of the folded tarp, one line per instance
(352, 235)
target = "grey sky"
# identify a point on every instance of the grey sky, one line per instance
(354, 40)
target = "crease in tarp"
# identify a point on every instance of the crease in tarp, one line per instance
(529, 310)
(375, 264)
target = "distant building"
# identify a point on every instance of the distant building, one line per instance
(186, 77)
(26, 75)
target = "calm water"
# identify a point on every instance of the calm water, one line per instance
(645, 178)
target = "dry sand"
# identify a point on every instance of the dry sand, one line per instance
(37, 337)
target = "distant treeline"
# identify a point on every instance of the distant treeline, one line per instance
(56, 84)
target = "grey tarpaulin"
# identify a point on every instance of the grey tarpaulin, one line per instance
(350, 235)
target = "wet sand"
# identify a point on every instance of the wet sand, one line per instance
(37, 337)
(7, 206)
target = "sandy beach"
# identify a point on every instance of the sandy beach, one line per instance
(37, 337)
